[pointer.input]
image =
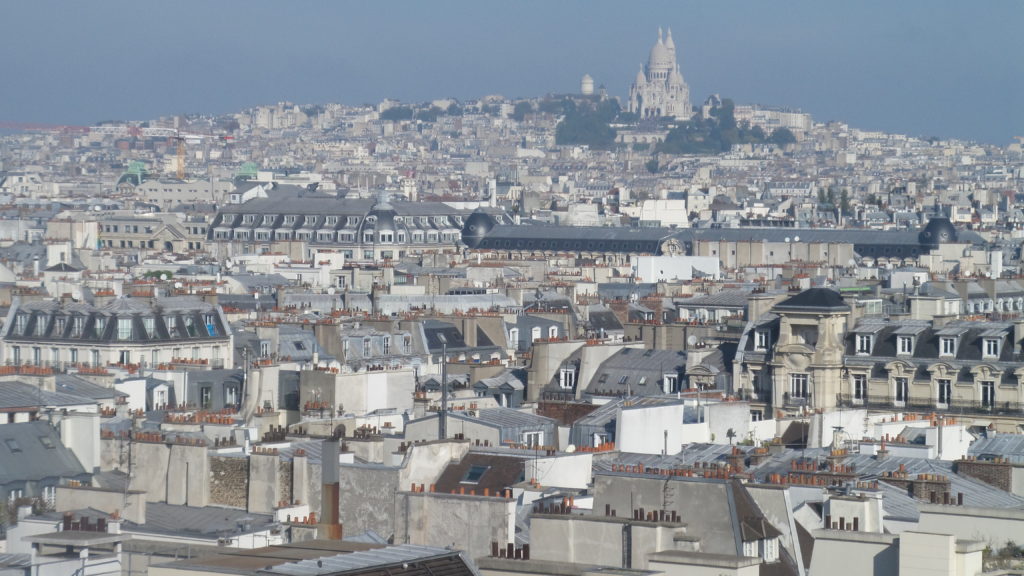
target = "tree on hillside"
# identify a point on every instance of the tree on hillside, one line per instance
(397, 113)
(782, 137)
(521, 110)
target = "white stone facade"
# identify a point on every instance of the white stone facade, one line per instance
(659, 89)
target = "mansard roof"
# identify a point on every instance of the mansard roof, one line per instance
(173, 318)
(814, 299)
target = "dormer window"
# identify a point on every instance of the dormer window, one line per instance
(670, 383)
(149, 324)
(761, 340)
(991, 348)
(947, 346)
(124, 328)
(248, 218)
(386, 345)
(268, 219)
(366, 348)
(101, 326)
(289, 220)
(864, 342)
(20, 323)
(567, 378)
(905, 345)
(40, 325)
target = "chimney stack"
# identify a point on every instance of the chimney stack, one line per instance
(329, 527)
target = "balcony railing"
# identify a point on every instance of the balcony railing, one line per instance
(953, 406)
(795, 401)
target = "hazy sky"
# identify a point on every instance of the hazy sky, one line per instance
(921, 67)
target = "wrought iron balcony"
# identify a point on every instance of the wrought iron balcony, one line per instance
(932, 405)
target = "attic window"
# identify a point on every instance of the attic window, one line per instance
(864, 344)
(12, 445)
(623, 380)
(474, 474)
(299, 345)
(991, 349)
(47, 442)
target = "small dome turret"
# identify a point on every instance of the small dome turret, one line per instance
(476, 228)
(938, 231)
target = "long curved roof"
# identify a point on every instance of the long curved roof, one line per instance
(649, 240)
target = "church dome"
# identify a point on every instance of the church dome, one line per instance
(477, 226)
(661, 58)
(938, 231)
(587, 85)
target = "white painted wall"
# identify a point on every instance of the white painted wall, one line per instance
(724, 416)
(659, 268)
(563, 471)
(648, 429)
(136, 391)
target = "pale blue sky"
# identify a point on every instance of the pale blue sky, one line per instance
(922, 67)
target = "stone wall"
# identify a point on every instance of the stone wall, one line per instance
(998, 474)
(150, 469)
(284, 470)
(229, 481)
(367, 499)
(468, 522)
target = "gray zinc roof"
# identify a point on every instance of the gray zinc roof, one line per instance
(31, 451)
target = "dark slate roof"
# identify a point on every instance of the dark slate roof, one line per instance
(78, 386)
(62, 267)
(407, 559)
(14, 394)
(208, 521)
(970, 339)
(603, 318)
(1008, 446)
(31, 451)
(636, 371)
(499, 472)
(824, 299)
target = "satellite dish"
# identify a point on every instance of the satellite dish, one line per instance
(570, 448)
(691, 339)
(76, 294)
(796, 238)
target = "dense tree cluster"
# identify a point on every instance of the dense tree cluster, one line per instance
(587, 123)
(719, 133)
